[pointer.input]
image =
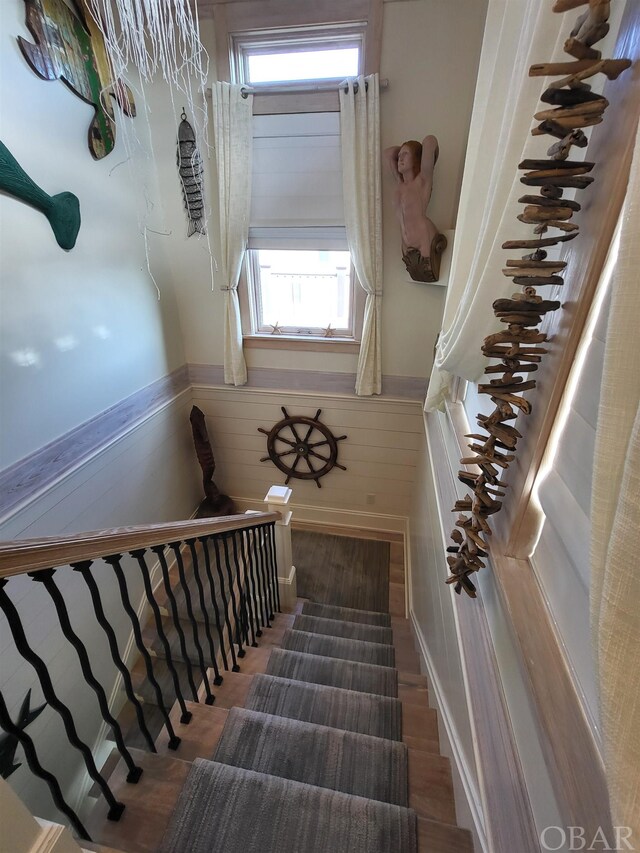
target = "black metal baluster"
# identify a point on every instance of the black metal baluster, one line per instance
(34, 765)
(245, 586)
(274, 562)
(212, 587)
(115, 808)
(46, 578)
(210, 698)
(203, 607)
(164, 568)
(241, 581)
(253, 582)
(253, 574)
(263, 574)
(114, 561)
(232, 585)
(146, 579)
(259, 579)
(266, 547)
(216, 551)
(84, 567)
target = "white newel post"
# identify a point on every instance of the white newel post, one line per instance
(28, 834)
(277, 500)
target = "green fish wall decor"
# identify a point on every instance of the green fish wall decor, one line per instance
(62, 210)
(70, 47)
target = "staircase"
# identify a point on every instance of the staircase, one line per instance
(323, 742)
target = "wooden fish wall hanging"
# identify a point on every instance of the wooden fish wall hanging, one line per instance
(190, 170)
(62, 210)
(70, 47)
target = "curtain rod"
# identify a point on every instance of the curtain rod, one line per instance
(301, 88)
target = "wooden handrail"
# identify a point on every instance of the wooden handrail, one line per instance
(29, 555)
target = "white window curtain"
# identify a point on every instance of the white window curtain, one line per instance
(615, 526)
(518, 33)
(360, 143)
(232, 116)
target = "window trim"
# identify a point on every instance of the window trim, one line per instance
(295, 39)
(254, 337)
(232, 20)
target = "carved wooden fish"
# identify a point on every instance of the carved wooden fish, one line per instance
(70, 47)
(190, 170)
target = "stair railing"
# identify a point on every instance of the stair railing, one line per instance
(233, 564)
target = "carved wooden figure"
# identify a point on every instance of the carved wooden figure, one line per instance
(412, 165)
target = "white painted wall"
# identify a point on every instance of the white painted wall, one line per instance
(79, 330)
(430, 51)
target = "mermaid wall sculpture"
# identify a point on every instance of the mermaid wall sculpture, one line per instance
(62, 210)
(412, 165)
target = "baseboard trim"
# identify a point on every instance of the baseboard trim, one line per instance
(472, 794)
(327, 517)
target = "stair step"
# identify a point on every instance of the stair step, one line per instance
(148, 805)
(431, 787)
(143, 688)
(128, 722)
(234, 689)
(365, 713)
(318, 755)
(153, 642)
(419, 721)
(286, 816)
(349, 675)
(346, 614)
(338, 647)
(197, 738)
(430, 745)
(437, 837)
(338, 628)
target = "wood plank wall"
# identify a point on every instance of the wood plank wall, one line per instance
(380, 452)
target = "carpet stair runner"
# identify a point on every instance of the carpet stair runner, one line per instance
(318, 669)
(318, 755)
(338, 647)
(313, 763)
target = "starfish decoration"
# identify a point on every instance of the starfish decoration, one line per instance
(9, 743)
(277, 330)
(328, 332)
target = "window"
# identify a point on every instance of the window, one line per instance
(304, 56)
(293, 55)
(299, 279)
(301, 292)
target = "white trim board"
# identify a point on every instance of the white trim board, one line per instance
(509, 819)
(472, 794)
(334, 517)
(309, 381)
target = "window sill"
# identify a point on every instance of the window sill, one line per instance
(306, 344)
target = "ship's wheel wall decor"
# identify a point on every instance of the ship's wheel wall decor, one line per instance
(301, 441)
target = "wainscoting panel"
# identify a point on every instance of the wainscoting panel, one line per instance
(380, 452)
